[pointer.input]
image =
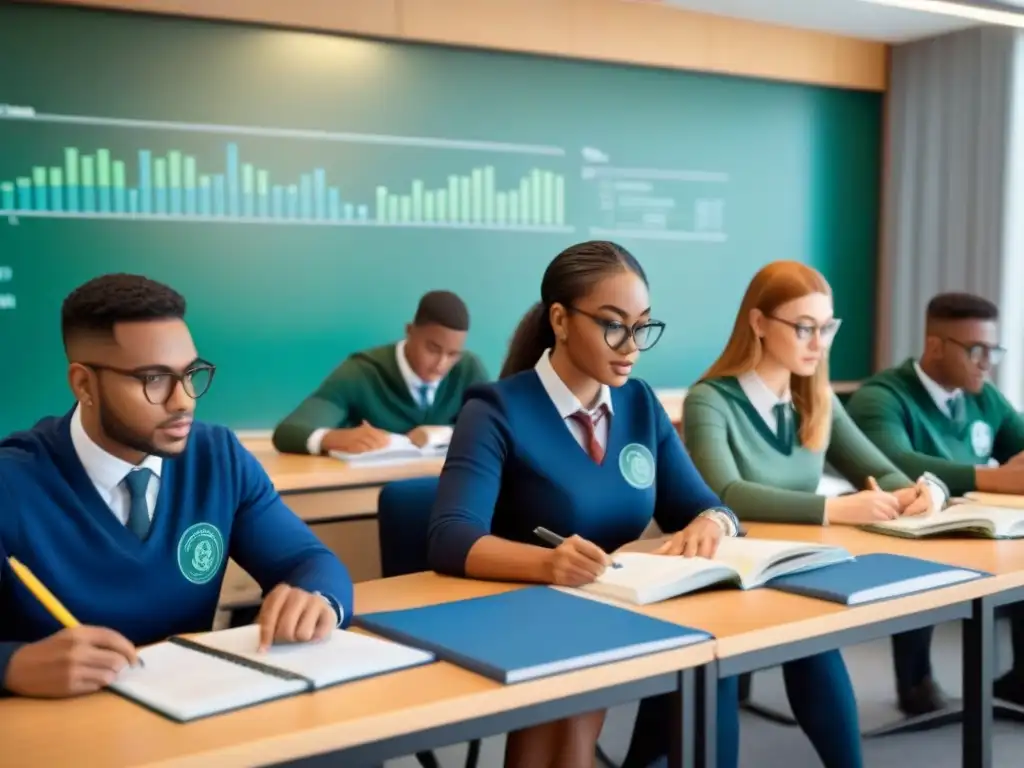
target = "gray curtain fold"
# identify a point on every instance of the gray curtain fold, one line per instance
(946, 200)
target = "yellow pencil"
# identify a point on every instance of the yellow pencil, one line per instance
(42, 594)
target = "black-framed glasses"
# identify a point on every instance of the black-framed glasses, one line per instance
(159, 385)
(826, 332)
(979, 352)
(644, 335)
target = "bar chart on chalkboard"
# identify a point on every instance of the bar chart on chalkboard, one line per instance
(225, 183)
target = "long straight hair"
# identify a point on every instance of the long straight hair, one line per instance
(567, 279)
(773, 286)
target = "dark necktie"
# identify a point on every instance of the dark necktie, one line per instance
(590, 441)
(424, 393)
(957, 409)
(137, 481)
(784, 423)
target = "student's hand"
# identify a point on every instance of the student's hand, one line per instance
(699, 539)
(71, 662)
(861, 508)
(361, 439)
(915, 500)
(293, 615)
(576, 562)
(419, 436)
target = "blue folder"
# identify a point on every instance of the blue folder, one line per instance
(870, 578)
(529, 633)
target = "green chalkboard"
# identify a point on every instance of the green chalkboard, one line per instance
(304, 190)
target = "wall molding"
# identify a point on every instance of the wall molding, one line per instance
(639, 33)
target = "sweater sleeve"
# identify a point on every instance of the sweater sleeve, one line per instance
(856, 458)
(275, 546)
(327, 408)
(706, 432)
(468, 488)
(1009, 439)
(7, 646)
(878, 413)
(682, 494)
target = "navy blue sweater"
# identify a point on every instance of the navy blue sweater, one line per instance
(514, 465)
(215, 502)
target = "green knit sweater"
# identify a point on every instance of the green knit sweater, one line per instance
(369, 386)
(899, 415)
(758, 477)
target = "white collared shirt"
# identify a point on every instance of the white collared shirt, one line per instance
(762, 398)
(412, 381)
(938, 393)
(108, 472)
(566, 403)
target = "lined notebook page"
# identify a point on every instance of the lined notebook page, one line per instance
(186, 684)
(342, 656)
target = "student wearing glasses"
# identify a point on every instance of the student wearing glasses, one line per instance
(127, 509)
(760, 425)
(566, 440)
(941, 414)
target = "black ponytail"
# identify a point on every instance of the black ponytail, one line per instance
(533, 335)
(568, 278)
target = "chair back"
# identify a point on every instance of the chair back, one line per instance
(403, 517)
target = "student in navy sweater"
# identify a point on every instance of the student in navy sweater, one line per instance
(128, 510)
(567, 441)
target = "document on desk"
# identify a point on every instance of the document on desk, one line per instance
(400, 450)
(187, 679)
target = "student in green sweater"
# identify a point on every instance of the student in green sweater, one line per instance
(763, 420)
(940, 414)
(413, 387)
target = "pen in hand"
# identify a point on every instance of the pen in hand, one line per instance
(556, 541)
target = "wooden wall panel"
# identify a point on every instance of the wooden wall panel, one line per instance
(603, 30)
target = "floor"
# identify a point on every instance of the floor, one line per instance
(765, 745)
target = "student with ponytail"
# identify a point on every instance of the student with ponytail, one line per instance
(566, 440)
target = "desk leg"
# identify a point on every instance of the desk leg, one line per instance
(706, 720)
(682, 738)
(978, 672)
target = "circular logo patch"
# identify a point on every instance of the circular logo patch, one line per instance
(200, 552)
(981, 439)
(637, 466)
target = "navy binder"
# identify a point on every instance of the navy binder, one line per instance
(529, 633)
(870, 578)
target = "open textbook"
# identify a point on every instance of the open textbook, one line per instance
(969, 519)
(186, 679)
(401, 449)
(742, 562)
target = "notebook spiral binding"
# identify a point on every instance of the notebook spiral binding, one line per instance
(224, 656)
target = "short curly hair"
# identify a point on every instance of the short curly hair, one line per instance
(961, 306)
(442, 308)
(96, 306)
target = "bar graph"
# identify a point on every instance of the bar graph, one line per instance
(173, 187)
(469, 183)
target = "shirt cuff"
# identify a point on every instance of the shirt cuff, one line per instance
(335, 606)
(723, 519)
(938, 489)
(314, 441)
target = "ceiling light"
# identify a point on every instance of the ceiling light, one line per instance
(984, 13)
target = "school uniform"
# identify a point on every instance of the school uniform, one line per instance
(380, 387)
(143, 549)
(923, 427)
(526, 453)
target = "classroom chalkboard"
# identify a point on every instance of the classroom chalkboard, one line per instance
(303, 190)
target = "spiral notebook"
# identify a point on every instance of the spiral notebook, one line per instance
(186, 679)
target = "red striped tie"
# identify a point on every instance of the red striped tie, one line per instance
(584, 419)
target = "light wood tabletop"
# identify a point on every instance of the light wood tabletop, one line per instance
(106, 730)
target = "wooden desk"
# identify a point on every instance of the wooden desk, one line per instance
(361, 723)
(1003, 559)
